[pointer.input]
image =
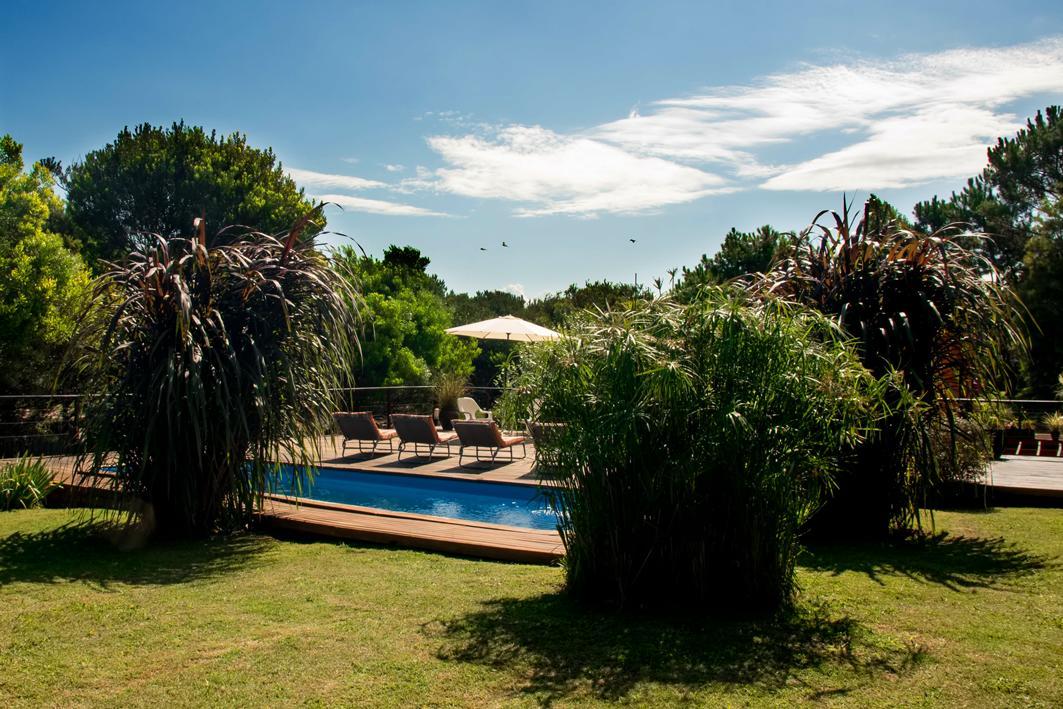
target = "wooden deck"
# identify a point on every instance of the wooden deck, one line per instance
(520, 471)
(1027, 476)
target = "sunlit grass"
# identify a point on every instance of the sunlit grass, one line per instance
(975, 618)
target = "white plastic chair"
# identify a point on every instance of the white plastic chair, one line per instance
(471, 411)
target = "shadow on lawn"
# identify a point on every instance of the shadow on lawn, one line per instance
(571, 649)
(956, 562)
(86, 552)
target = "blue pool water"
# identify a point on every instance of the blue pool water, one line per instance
(497, 503)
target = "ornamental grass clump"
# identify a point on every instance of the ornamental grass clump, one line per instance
(928, 313)
(25, 483)
(695, 440)
(211, 364)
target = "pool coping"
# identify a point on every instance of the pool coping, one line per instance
(398, 514)
(410, 530)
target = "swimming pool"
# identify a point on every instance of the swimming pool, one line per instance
(494, 502)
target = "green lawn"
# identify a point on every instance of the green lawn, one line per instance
(974, 618)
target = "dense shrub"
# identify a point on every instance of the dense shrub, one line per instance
(923, 308)
(212, 365)
(24, 483)
(696, 440)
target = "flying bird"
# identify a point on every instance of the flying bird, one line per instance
(505, 244)
(482, 249)
(632, 241)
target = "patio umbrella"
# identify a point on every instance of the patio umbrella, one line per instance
(507, 327)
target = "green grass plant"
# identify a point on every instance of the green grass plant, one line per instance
(696, 440)
(24, 482)
(211, 363)
(930, 312)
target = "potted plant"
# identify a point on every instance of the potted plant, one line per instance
(995, 420)
(1054, 424)
(449, 386)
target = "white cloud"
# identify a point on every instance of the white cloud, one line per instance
(394, 167)
(311, 179)
(902, 151)
(912, 120)
(378, 206)
(516, 289)
(556, 174)
(889, 124)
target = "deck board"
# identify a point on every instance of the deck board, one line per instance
(1027, 475)
(521, 471)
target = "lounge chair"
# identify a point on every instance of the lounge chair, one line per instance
(485, 435)
(360, 427)
(471, 411)
(419, 431)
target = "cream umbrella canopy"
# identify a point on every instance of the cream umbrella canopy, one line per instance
(507, 327)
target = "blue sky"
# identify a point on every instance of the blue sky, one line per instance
(561, 128)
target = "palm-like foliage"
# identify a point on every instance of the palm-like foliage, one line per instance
(923, 307)
(24, 483)
(696, 440)
(212, 365)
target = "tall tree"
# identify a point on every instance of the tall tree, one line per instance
(154, 180)
(42, 282)
(552, 310)
(740, 254)
(405, 319)
(484, 306)
(1041, 290)
(1016, 200)
(1024, 174)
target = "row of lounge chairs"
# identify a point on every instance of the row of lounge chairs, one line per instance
(418, 434)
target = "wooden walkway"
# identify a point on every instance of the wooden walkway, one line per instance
(454, 536)
(1027, 476)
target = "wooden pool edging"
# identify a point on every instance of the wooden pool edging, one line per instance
(443, 534)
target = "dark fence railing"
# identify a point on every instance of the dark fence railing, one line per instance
(39, 423)
(385, 401)
(44, 424)
(49, 424)
(1028, 409)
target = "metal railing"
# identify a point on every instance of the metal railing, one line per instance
(387, 400)
(1026, 409)
(43, 424)
(39, 423)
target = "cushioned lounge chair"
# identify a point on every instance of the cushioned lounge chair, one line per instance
(471, 411)
(360, 427)
(484, 435)
(418, 431)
